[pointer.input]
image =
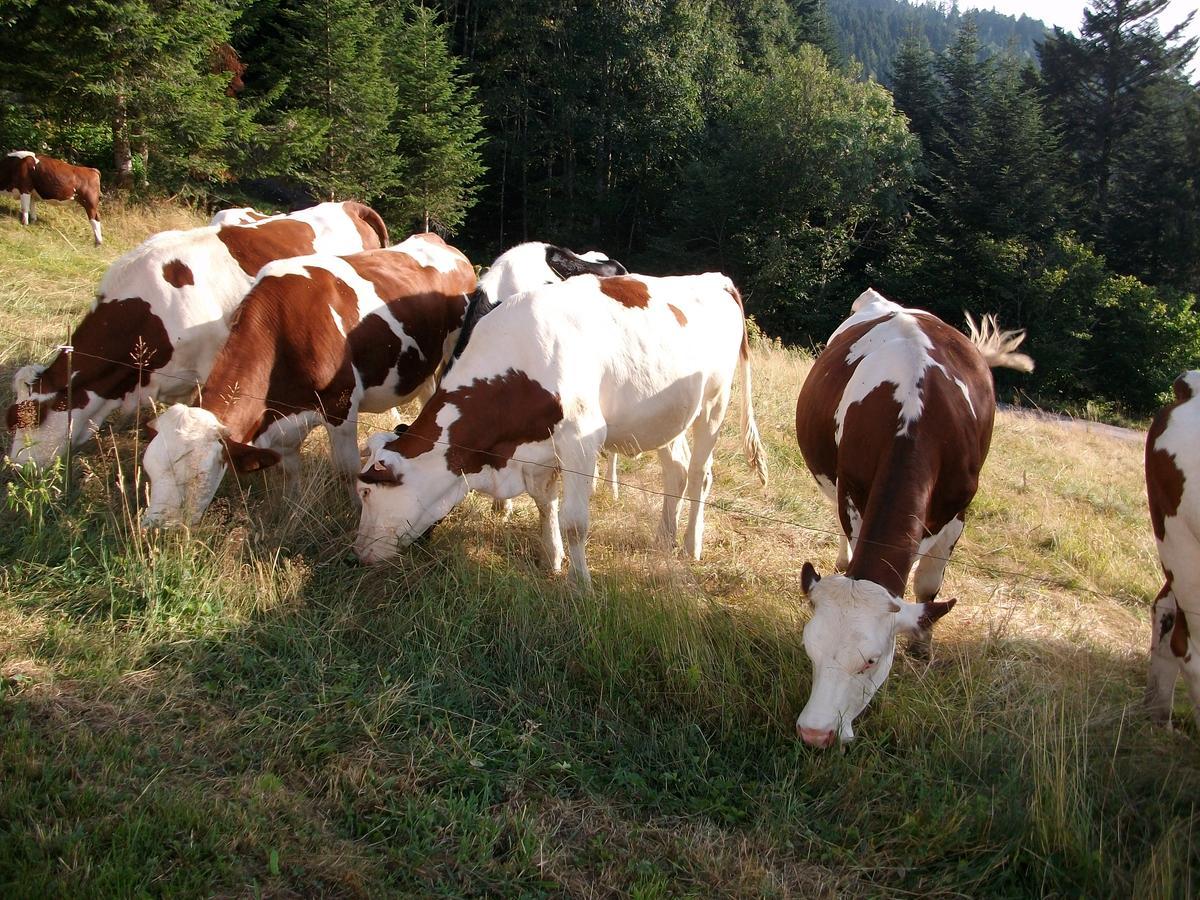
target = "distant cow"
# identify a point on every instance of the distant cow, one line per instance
(161, 314)
(894, 421)
(549, 379)
(26, 173)
(317, 339)
(1173, 487)
(241, 215)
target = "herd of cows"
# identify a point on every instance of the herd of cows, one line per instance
(257, 329)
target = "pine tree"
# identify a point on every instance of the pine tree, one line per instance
(140, 67)
(328, 54)
(437, 124)
(1101, 89)
(916, 87)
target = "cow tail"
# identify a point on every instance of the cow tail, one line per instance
(372, 218)
(998, 348)
(752, 445)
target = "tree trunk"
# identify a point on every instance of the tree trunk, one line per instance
(122, 156)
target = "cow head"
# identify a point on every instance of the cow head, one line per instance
(402, 497)
(528, 266)
(851, 640)
(38, 422)
(23, 381)
(185, 462)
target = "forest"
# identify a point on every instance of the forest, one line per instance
(1052, 181)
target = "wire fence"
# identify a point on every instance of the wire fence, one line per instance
(717, 504)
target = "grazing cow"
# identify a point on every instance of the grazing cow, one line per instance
(240, 215)
(1173, 487)
(894, 421)
(161, 314)
(26, 173)
(317, 339)
(552, 377)
(522, 268)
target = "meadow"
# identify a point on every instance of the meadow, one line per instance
(242, 710)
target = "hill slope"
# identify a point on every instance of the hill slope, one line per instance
(871, 31)
(238, 710)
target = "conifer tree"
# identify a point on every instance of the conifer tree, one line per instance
(437, 125)
(329, 53)
(141, 67)
(1104, 88)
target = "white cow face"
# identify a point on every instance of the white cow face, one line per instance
(401, 499)
(851, 640)
(529, 266)
(186, 460)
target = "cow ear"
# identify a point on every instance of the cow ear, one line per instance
(808, 578)
(379, 472)
(151, 431)
(400, 429)
(248, 458)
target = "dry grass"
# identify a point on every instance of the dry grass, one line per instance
(238, 710)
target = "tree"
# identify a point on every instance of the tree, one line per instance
(437, 125)
(142, 68)
(328, 57)
(1104, 90)
(916, 88)
(804, 170)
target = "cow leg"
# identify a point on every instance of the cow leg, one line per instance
(92, 208)
(611, 475)
(343, 447)
(542, 486)
(504, 508)
(1164, 665)
(26, 208)
(577, 459)
(32, 211)
(674, 461)
(704, 440)
(931, 570)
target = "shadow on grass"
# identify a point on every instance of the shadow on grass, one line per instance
(241, 710)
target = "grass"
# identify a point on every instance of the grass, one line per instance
(239, 710)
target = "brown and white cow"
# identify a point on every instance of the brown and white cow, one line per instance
(26, 173)
(239, 215)
(549, 379)
(523, 268)
(894, 421)
(1173, 488)
(317, 339)
(161, 314)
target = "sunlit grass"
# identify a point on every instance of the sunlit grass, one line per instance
(239, 709)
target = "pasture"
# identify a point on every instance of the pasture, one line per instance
(240, 710)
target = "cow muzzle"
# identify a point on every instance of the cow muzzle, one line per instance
(816, 737)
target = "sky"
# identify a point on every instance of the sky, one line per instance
(1069, 14)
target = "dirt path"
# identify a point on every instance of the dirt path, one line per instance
(1116, 432)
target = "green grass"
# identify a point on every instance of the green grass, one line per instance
(239, 710)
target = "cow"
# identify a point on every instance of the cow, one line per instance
(550, 378)
(240, 215)
(1173, 489)
(161, 314)
(26, 173)
(522, 268)
(316, 340)
(894, 421)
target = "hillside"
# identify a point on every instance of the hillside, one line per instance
(239, 710)
(871, 31)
